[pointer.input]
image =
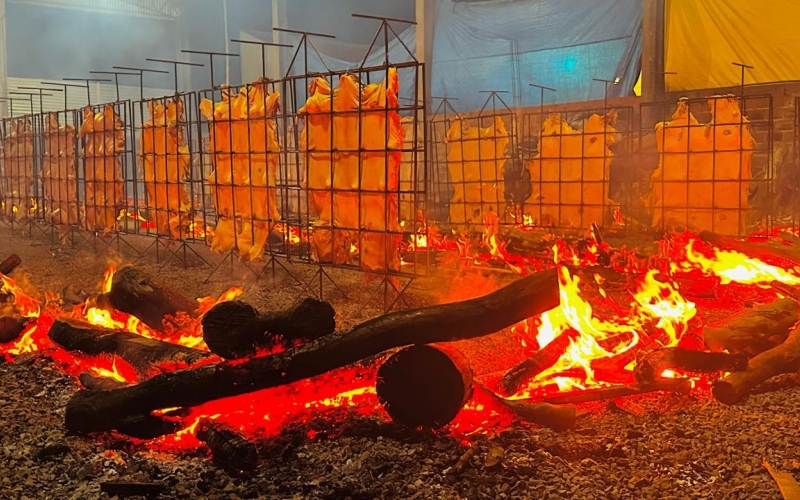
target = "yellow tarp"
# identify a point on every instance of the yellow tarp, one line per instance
(476, 161)
(104, 140)
(337, 170)
(165, 161)
(244, 143)
(58, 173)
(703, 37)
(570, 174)
(704, 172)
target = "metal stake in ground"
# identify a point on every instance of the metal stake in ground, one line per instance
(64, 87)
(211, 55)
(264, 46)
(116, 77)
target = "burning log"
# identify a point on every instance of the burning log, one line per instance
(545, 414)
(235, 329)
(651, 365)
(230, 450)
(536, 364)
(97, 383)
(784, 358)
(424, 385)
(756, 330)
(142, 353)
(99, 411)
(11, 327)
(136, 293)
(676, 385)
(11, 263)
(770, 254)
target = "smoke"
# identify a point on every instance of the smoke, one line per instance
(50, 43)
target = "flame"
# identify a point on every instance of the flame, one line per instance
(14, 209)
(108, 278)
(101, 317)
(26, 306)
(112, 374)
(527, 220)
(206, 303)
(595, 338)
(26, 342)
(731, 266)
(34, 206)
(618, 220)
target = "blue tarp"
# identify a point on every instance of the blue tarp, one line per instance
(504, 45)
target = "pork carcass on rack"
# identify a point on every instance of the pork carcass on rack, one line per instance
(570, 173)
(58, 174)
(104, 141)
(476, 160)
(243, 141)
(704, 172)
(165, 161)
(18, 169)
(352, 147)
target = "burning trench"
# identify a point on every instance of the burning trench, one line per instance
(586, 323)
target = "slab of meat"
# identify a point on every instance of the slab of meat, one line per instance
(165, 162)
(18, 169)
(352, 147)
(476, 160)
(59, 174)
(244, 144)
(104, 141)
(570, 173)
(704, 172)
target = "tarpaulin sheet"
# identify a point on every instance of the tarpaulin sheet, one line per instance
(703, 38)
(504, 45)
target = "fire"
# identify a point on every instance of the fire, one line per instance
(112, 374)
(731, 266)
(108, 278)
(25, 305)
(34, 206)
(594, 338)
(206, 303)
(101, 317)
(26, 342)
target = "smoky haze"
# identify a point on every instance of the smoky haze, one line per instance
(53, 43)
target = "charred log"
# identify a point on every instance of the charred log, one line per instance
(11, 327)
(136, 293)
(651, 365)
(12, 262)
(142, 353)
(543, 359)
(235, 329)
(230, 450)
(784, 358)
(98, 411)
(756, 330)
(122, 490)
(424, 385)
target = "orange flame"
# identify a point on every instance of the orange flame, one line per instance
(112, 374)
(731, 266)
(26, 305)
(206, 303)
(108, 278)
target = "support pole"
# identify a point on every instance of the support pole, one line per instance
(3, 64)
(653, 32)
(425, 14)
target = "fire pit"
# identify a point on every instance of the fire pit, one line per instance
(589, 338)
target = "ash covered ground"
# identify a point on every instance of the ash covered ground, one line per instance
(684, 447)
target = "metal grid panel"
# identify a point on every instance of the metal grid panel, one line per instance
(711, 162)
(576, 161)
(477, 179)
